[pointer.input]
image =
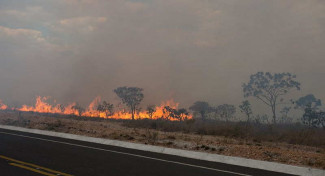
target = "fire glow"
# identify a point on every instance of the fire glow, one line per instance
(41, 106)
(3, 106)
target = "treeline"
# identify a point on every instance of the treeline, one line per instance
(269, 89)
(266, 88)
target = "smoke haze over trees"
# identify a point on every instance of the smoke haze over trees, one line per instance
(241, 78)
(186, 50)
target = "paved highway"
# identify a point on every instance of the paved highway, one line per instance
(24, 154)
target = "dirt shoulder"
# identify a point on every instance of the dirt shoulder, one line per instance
(269, 151)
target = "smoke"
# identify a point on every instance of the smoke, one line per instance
(185, 49)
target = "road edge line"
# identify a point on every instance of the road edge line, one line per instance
(257, 164)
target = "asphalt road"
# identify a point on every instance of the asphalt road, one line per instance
(24, 154)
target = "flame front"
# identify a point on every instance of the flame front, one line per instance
(42, 106)
(3, 106)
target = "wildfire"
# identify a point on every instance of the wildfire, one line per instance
(42, 106)
(3, 106)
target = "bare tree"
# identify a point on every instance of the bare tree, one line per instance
(269, 88)
(131, 96)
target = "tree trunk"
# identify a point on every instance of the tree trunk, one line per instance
(247, 120)
(246, 128)
(203, 115)
(274, 114)
(132, 112)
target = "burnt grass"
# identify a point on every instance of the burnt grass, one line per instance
(288, 133)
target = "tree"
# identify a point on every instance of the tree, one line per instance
(79, 109)
(313, 118)
(285, 118)
(201, 107)
(321, 119)
(170, 112)
(130, 96)
(226, 111)
(269, 88)
(151, 109)
(106, 107)
(246, 108)
(264, 119)
(306, 101)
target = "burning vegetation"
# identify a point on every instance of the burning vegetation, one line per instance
(3, 106)
(267, 88)
(254, 132)
(130, 96)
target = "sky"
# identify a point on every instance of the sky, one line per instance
(188, 50)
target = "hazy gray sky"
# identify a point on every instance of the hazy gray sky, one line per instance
(74, 50)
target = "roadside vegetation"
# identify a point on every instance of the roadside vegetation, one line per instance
(226, 129)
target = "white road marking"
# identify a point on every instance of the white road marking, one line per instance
(130, 154)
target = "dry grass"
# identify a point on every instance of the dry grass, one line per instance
(252, 147)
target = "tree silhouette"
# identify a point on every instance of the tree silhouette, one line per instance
(269, 88)
(306, 101)
(201, 107)
(130, 96)
(106, 107)
(226, 111)
(246, 108)
(151, 109)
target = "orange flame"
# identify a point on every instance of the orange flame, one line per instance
(70, 110)
(42, 106)
(3, 106)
